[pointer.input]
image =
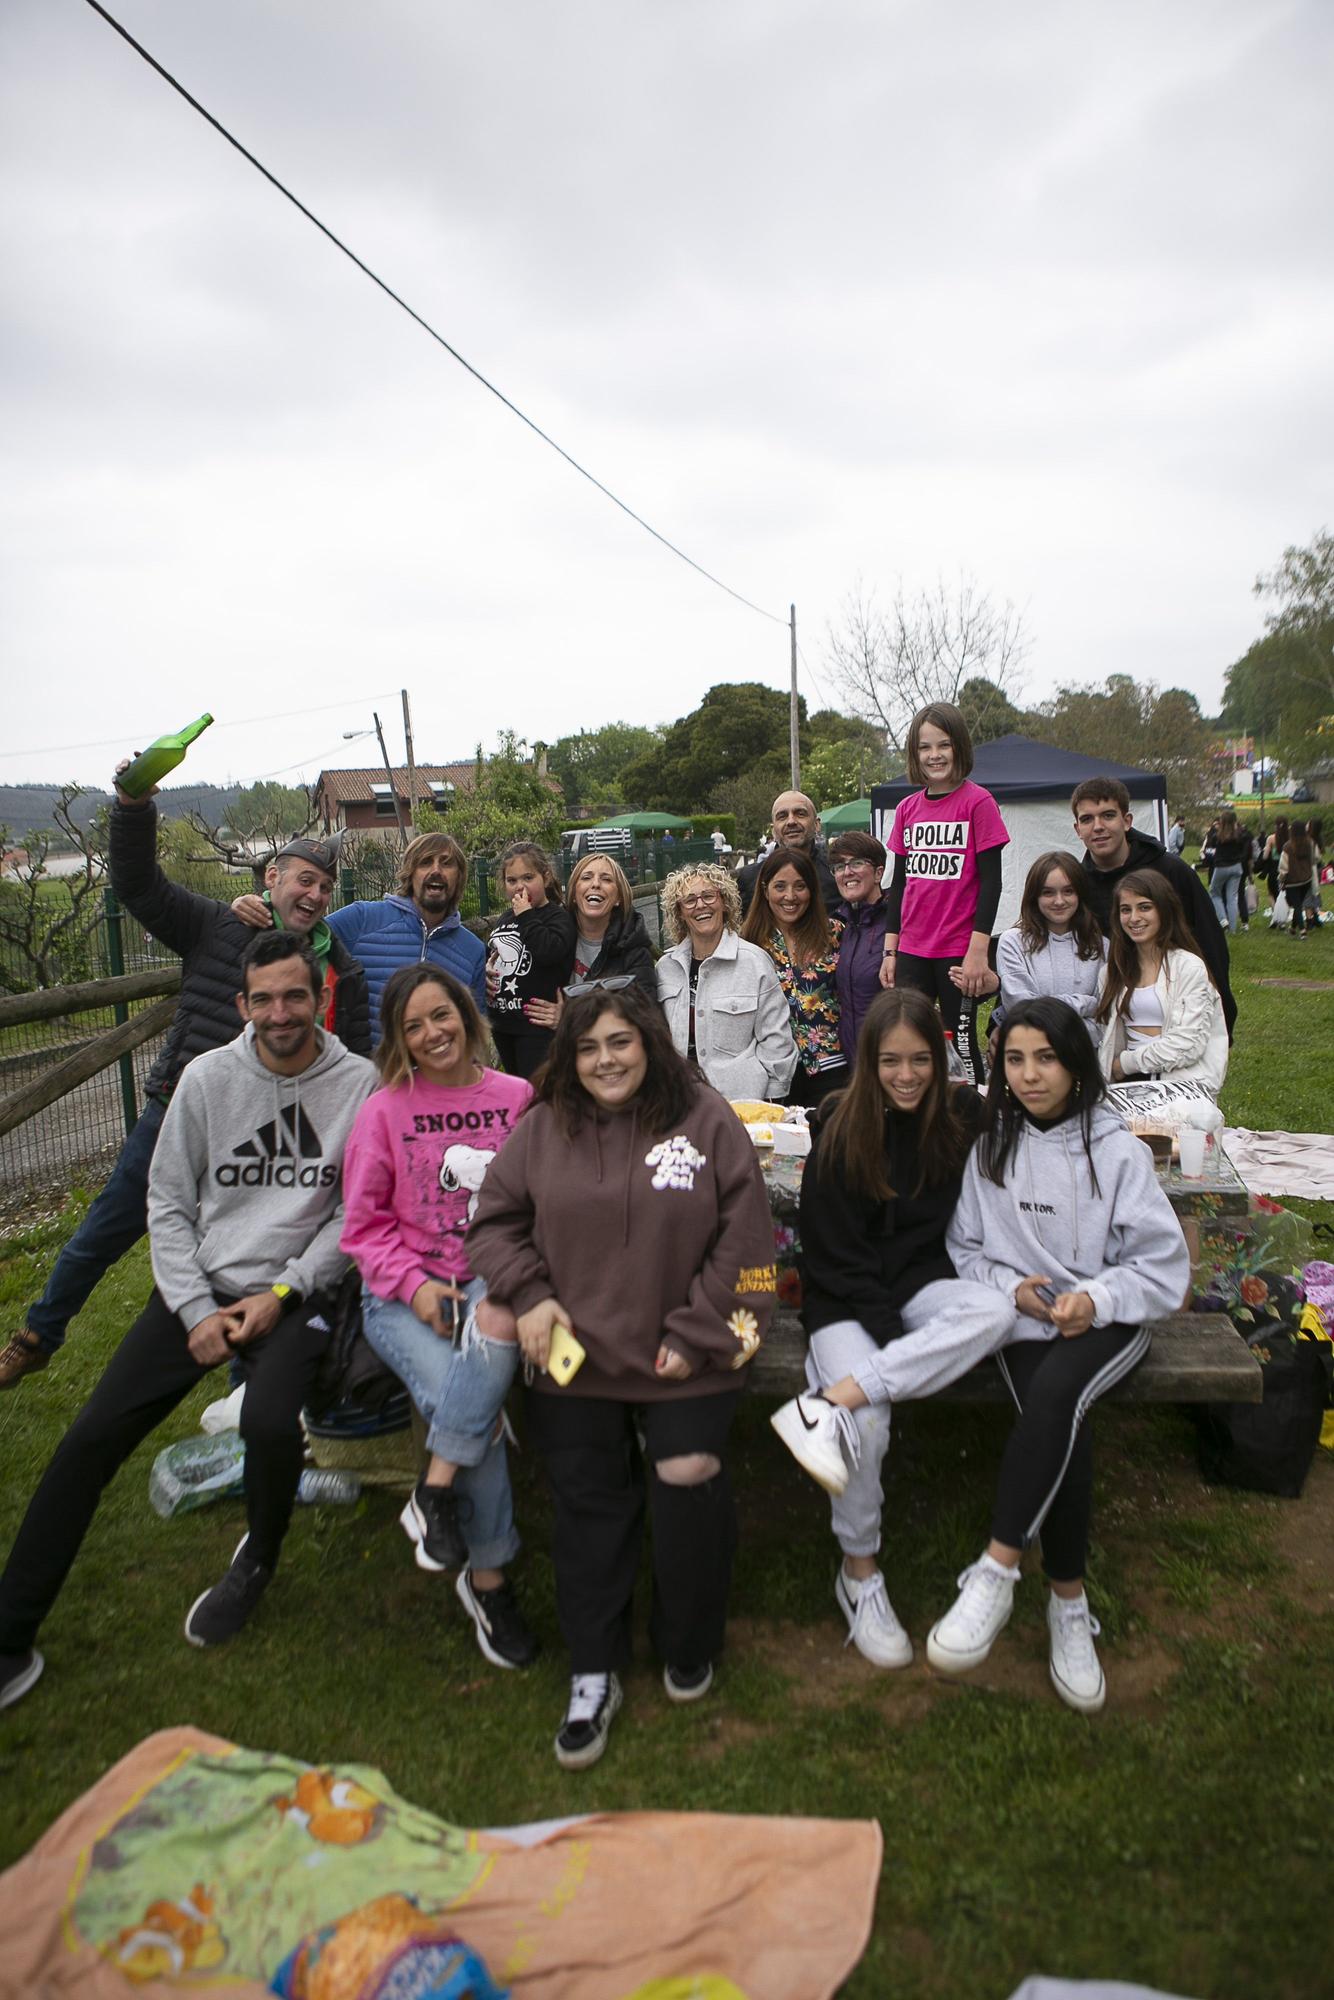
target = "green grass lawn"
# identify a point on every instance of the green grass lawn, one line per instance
(1180, 1839)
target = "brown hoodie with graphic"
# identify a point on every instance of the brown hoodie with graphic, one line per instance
(644, 1238)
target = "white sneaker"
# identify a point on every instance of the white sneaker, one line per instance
(1076, 1672)
(821, 1436)
(967, 1633)
(873, 1625)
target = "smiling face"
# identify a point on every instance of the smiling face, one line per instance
(1138, 918)
(858, 881)
(1057, 901)
(299, 892)
(596, 896)
(279, 1003)
(1035, 1073)
(935, 754)
(524, 873)
(435, 1037)
(702, 912)
(435, 884)
(905, 1067)
(611, 1062)
(793, 820)
(1103, 827)
(788, 897)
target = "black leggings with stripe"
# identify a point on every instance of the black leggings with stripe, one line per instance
(1046, 1476)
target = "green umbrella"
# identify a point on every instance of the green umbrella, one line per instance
(853, 817)
(645, 822)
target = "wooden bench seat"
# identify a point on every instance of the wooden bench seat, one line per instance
(1195, 1358)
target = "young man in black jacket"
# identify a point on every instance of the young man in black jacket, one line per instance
(1115, 847)
(210, 941)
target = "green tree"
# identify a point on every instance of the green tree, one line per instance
(1282, 687)
(1133, 722)
(589, 765)
(988, 711)
(506, 801)
(739, 727)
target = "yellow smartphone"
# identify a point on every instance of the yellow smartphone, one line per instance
(565, 1356)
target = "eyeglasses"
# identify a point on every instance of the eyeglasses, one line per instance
(705, 900)
(615, 983)
(851, 867)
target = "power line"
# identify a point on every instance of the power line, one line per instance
(237, 722)
(824, 698)
(425, 325)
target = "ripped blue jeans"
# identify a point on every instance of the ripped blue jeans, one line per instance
(460, 1391)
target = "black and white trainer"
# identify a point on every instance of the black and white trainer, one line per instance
(18, 1673)
(431, 1522)
(687, 1683)
(219, 1614)
(502, 1631)
(582, 1737)
(821, 1436)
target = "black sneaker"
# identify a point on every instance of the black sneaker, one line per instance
(431, 1520)
(221, 1612)
(582, 1738)
(687, 1683)
(501, 1632)
(18, 1673)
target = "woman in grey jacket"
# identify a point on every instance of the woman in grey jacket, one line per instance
(1060, 1212)
(724, 1005)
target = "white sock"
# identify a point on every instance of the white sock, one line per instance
(1010, 1575)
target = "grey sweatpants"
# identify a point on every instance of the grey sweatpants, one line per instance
(948, 1327)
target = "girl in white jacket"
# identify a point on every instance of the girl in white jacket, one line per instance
(1061, 1213)
(1160, 1011)
(1057, 946)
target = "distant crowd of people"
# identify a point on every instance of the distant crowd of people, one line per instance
(524, 1150)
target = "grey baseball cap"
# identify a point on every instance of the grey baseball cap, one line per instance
(324, 853)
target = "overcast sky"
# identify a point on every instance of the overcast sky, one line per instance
(843, 289)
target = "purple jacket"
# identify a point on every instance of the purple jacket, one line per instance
(858, 967)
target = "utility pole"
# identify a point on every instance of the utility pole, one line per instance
(411, 756)
(794, 742)
(393, 788)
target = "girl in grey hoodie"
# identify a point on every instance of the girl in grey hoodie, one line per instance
(1061, 1212)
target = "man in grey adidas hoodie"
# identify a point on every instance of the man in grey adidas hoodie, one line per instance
(245, 1208)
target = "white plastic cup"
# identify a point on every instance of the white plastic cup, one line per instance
(1190, 1145)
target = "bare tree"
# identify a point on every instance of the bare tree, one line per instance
(889, 663)
(264, 818)
(46, 920)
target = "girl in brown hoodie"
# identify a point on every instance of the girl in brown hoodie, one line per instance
(629, 1207)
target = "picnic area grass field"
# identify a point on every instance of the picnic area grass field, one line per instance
(1180, 1839)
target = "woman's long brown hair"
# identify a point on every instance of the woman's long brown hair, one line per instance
(852, 1133)
(812, 937)
(1174, 934)
(669, 1087)
(1032, 924)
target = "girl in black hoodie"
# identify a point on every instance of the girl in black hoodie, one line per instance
(529, 955)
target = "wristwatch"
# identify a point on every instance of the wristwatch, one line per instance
(288, 1298)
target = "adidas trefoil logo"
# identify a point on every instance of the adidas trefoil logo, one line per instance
(273, 1157)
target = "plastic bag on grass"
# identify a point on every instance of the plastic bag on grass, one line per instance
(194, 1471)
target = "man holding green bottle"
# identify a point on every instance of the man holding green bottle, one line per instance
(299, 882)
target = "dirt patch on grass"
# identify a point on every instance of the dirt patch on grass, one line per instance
(1304, 1538)
(1297, 985)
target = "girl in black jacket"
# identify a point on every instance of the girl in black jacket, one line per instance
(529, 955)
(888, 1319)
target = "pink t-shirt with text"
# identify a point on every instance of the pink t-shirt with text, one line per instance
(941, 840)
(412, 1173)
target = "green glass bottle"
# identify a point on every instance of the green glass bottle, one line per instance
(151, 766)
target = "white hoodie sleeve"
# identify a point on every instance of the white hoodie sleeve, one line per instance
(966, 1238)
(179, 1158)
(1187, 1023)
(1148, 1271)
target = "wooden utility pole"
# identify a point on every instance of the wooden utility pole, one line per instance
(412, 758)
(393, 788)
(794, 740)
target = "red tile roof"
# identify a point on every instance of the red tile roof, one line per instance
(354, 787)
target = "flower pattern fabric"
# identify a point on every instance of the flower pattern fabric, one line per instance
(812, 1000)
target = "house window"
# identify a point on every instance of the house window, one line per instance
(383, 798)
(442, 794)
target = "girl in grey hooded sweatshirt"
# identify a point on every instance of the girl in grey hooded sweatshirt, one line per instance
(1062, 1213)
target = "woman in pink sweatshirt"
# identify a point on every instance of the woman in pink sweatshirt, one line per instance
(411, 1175)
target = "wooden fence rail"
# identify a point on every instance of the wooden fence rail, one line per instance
(47, 1003)
(90, 1060)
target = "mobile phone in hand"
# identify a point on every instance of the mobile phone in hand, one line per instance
(1047, 1293)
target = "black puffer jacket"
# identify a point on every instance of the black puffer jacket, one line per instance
(210, 941)
(626, 949)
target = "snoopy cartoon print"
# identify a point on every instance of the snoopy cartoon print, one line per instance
(462, 1171)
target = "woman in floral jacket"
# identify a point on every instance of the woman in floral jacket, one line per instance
(787, 918)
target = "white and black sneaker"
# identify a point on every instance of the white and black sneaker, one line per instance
(502, 1631)
(683, 1684)
(18, 1673)
(582, 1737)
(431, 1522)
(970, 1628)
(873, 1624)
(218, 1614)
(821, 1436)
(1076, 1671)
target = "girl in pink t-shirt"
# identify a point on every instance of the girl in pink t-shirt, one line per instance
(946, 878)
(411, 1175)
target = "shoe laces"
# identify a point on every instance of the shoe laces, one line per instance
(981, 1585)
(587, 1694)
(846, 1426)
(871, 1607)
(1078, 1629)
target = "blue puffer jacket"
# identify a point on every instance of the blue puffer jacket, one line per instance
(390, 934)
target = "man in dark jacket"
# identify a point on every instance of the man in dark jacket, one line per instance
(796, 826)
(210, 941)
(1115, 847)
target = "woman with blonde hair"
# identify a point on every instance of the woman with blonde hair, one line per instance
(725, 1008)
(611, 943)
